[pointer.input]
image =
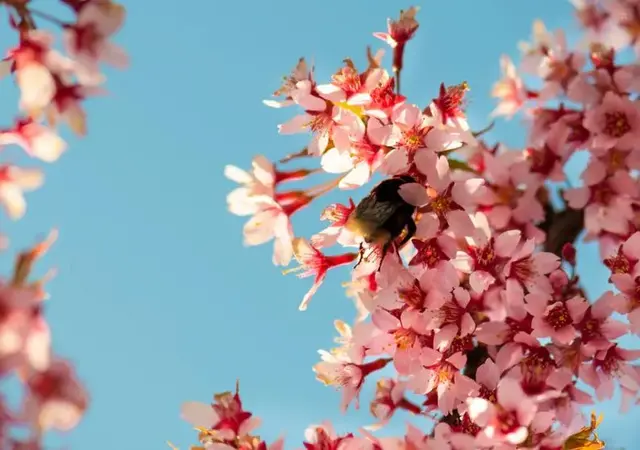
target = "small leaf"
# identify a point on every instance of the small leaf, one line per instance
(460, 165)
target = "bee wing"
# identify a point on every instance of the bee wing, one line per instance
(373, 210)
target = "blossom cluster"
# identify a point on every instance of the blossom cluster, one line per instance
(52, 89)
(481, 314)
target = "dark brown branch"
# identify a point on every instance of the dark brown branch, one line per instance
(561, 228)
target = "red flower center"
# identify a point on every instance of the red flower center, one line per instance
(348, 80)
(508, 422)
(616, 124)
(619, 263)
(558, 317)
(413, 296)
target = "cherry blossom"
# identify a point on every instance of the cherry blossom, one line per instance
(480, 310)
(52, 89)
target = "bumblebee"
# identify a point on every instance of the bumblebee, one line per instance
(382, 216)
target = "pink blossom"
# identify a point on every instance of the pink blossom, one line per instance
(389, 397)
(555, 320)
(454, 313)
(271, 221)
(629, 300)
(484, 256)
(358, 156)
(535, 53)
(261, 181)
(560, 71)
(87, 39)
(33, 61)
(510, 91)
(444, 195)
(607, 207)
(36, 140)
(335, 233)
(351, 87)
(13, 181)
(57, 400)
(383, 98)
(599, 26)
(625, 261)
(614, 123)
(324, 119)
(407, 131)
(507, 420)
(503, 192)
(226, 416)
(597, 329)
(318, 437)
(608, 365)
(402, 30)
(301, 72)
(66, 104)
(442, 374)
(348, 374)
(528, 270)
(445, 438)
(315, 263)
(403, 338)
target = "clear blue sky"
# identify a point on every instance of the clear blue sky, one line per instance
(157, 300)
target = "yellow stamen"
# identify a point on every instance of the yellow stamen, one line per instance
(357, 110)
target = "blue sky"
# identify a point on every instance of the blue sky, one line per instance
(157, 301)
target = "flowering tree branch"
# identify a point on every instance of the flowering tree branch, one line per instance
(53, 88)
(465, 274)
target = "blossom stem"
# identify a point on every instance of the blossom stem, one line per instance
(373, 366)
(282, 177)
(301, 154)
(322, 189)
(408, 406)
(46, 16)
(485, 129)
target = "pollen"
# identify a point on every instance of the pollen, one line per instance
(469, 427)
(429, 253)
(617, 160)
(618, 264)
(412, 296)
(348, 80)
(444, 373)
(489, 395)
(558, 317)
(523, 269)
(460, 344)
(404, 338)
(431, 256)
(412, 140)
(441, 205)
(508, 421)
(535, 369)
(451, 312)
(602, 194)
(610, 365)
(507, 194)
(484, 257)
(590, 329)
(319, 123)
(616, 124)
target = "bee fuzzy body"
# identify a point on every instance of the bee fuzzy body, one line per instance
(383, 215)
